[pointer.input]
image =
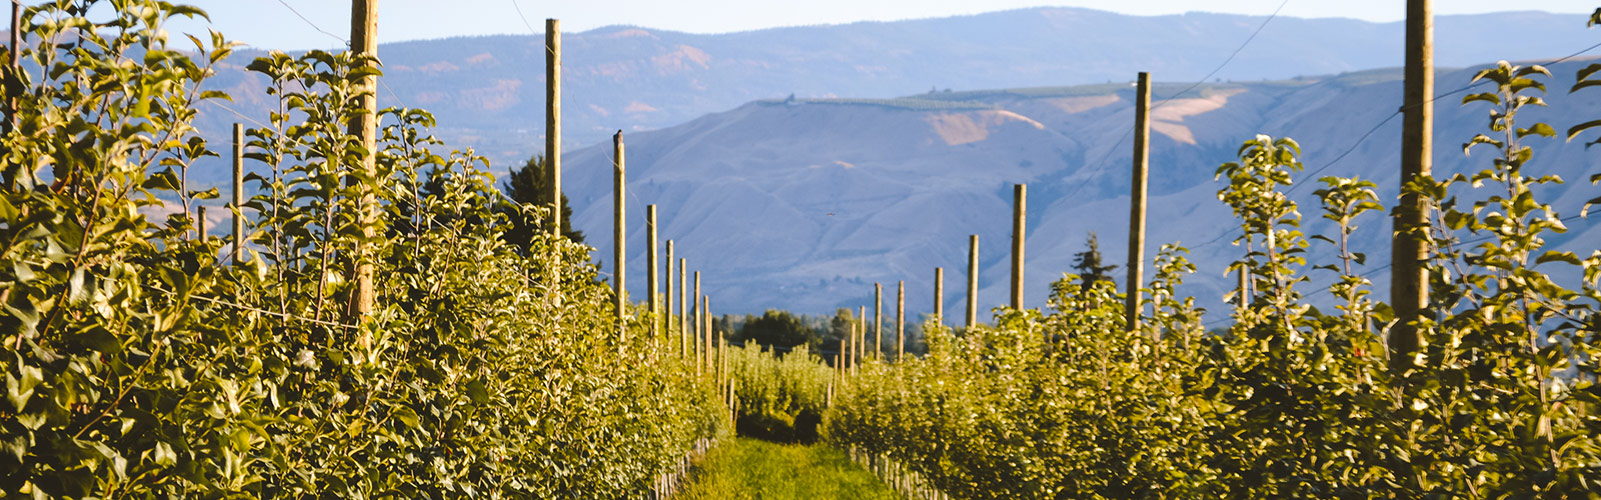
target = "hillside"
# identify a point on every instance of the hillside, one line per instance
(805, 204)
(488, 91)
(836, 193)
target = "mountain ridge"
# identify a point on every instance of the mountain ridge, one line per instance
(487, 92)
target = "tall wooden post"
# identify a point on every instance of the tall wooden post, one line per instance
(16, 55)
(683, 303)
(651, 273)
(861, 342)
(700, 348)
(553, 120)
(667, 297)
(848, 348)
(878, 320)
(1019, 230)
(900, 322)
(364, 42)
(1409, 292)
(238, 193)
(620, 233)
(1136, 224)
(706, 327)
(972, 281)
(939, 295)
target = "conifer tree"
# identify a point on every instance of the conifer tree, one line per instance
(1088, 264)
(526, 185)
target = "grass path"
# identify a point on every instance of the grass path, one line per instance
(745, 468)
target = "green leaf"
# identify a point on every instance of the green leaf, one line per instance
(163, 454)
(1488, 97)
(1541, 129)
(164, 180)
(1575, 130)
(406, 416)
(209, 194)
(1555, 256)
(1584, 85)
(477, 392)
(18, 390)
(17, 446)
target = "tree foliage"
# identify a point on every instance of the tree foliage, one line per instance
(781, 329)
(526, 187)
(1289, 401)
(781, 396)
(139, 365)
(1088, 263)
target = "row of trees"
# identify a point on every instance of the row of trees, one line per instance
(139, 364)
(1290, 401)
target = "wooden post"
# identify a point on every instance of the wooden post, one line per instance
(16, 55)
(972, 281)
(848, 349)
(939, 295)
(1245, 289)
(238, 193)
(683, 311)
(620, 234)
(861, 332)
(1019, 230)
(858, 339)
(651, 273)
(553, 120)
(700, 348)
(200, 222)
(364, 42)
(900, 322)
(1409, 292)
(706, 327)
(1136, 224)
(667, 296)
(878, 320)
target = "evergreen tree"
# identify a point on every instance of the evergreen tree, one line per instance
(839, 328)
(526, 185)
(1088, 264)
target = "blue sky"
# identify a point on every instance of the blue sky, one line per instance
(270, 24)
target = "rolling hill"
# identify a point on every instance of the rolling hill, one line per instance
(804, 204)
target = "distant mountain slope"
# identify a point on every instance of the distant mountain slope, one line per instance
(805, 204)
(488, 92)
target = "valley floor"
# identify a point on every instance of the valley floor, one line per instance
(744, 468)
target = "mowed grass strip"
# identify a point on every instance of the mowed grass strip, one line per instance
(745, 468)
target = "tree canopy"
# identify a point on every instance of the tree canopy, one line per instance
(526, 185)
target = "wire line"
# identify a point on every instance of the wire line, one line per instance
(243, 307)
(1231, 57)
(312, 24)
(523, 17)
(1101, 165)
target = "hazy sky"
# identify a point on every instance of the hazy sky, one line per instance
(269, 24)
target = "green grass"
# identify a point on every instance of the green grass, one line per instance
(744, 468)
